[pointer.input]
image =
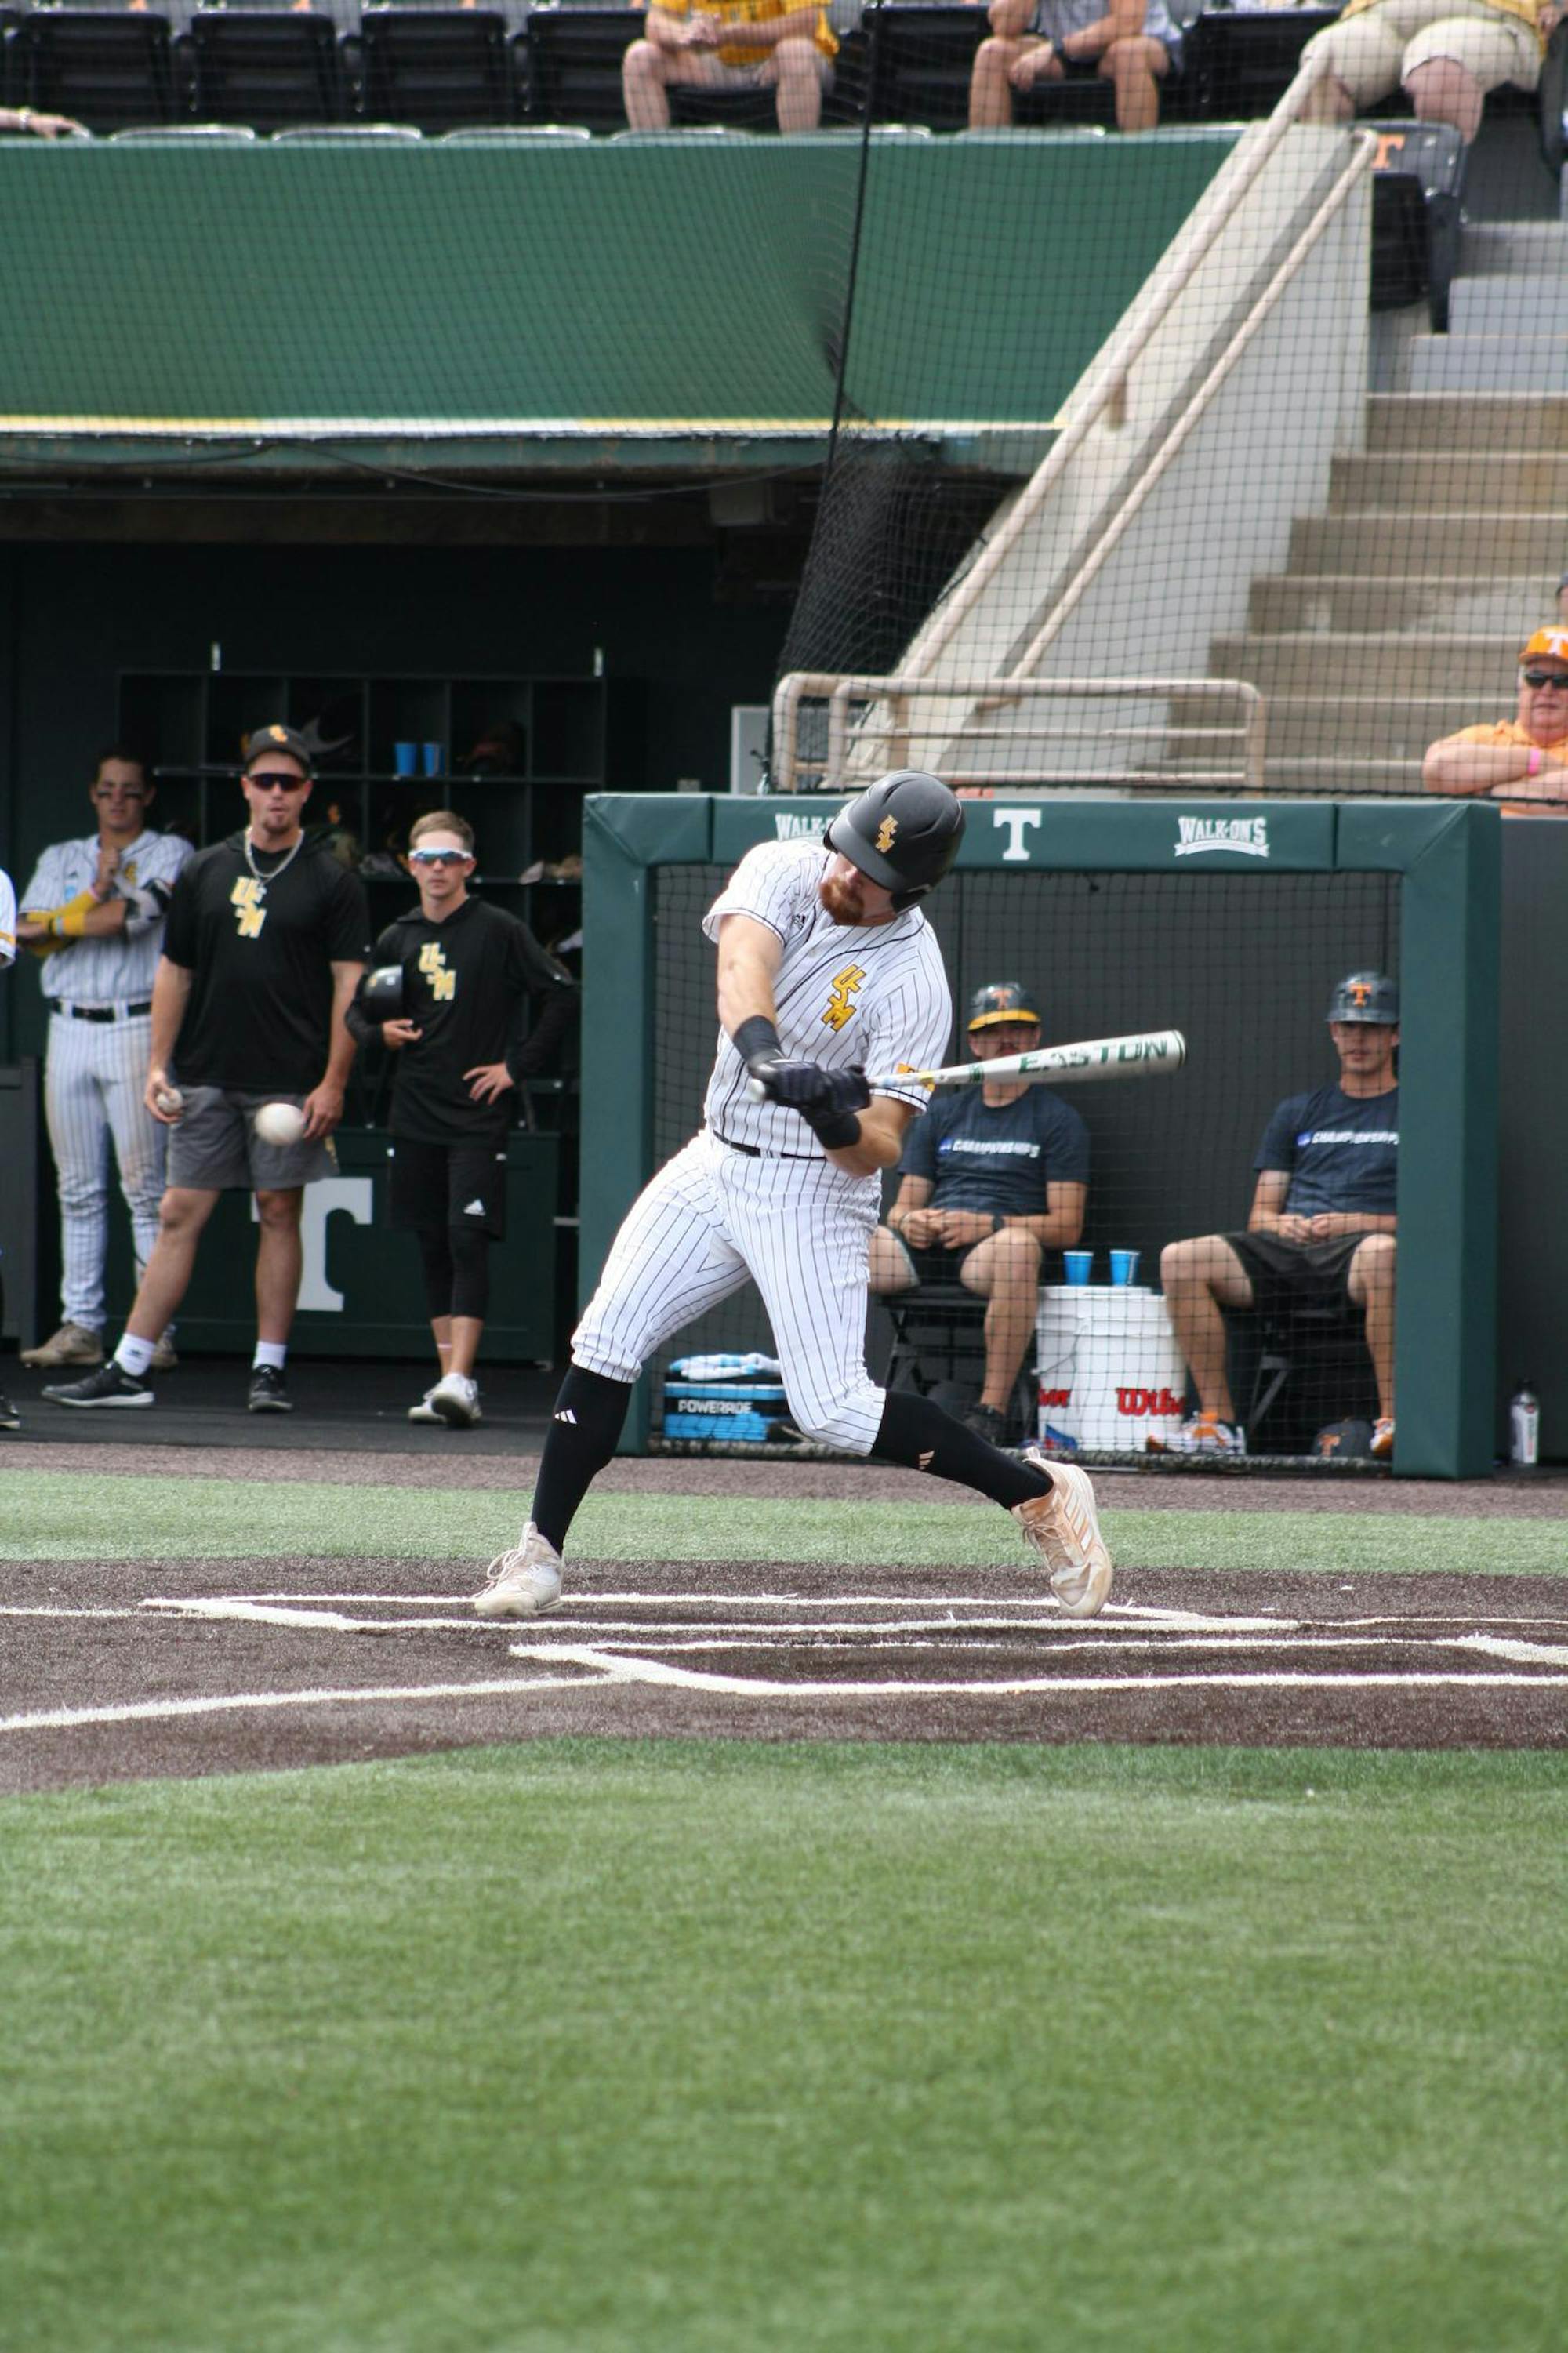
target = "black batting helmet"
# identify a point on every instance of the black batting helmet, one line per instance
(902, 832)
(1365, 996)
(380, 993)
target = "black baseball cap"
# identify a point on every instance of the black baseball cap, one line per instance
(278, 738)
(999, 1001)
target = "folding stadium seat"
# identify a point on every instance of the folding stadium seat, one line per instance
(349, 134)
(922, 57)
(1239, 62)
(104, 68)
(520, 135)
(436, 67)
(939, 1350)
(574, 64)
(266, 66)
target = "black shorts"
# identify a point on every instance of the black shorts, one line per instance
(937, 1265)
(1297, 1274)
(448, 1185)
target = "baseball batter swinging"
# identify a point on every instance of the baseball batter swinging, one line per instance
(826, 967)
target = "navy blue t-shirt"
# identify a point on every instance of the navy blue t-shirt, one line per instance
(1342, 1151)
(1000, 1158)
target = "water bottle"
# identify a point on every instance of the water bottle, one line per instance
(1524, 1427)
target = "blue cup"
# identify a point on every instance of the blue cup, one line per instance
(434, 762)
(1124, 1266)
(1079, 1264)
(405, 759)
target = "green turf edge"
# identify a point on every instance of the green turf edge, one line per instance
(719, 2045)
(66, 1517)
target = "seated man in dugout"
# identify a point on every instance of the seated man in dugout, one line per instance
(1322, 1225)
(1134, 44)
(993, 1177)
(1520, 763)
(731, 45)
(1446, 54)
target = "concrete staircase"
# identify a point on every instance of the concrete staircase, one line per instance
(1401, 612)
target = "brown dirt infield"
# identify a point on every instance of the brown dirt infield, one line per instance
(132, 1670)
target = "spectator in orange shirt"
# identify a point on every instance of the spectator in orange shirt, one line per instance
(731, 45)
(1520, 763)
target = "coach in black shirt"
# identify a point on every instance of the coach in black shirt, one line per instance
(469, 974)
(265, 944)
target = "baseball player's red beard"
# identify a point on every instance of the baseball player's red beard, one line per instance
(843, 901)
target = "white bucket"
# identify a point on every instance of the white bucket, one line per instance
(1110, 1373)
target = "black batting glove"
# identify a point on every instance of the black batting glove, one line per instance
(807, 1087)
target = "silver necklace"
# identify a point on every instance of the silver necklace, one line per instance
(263, 880)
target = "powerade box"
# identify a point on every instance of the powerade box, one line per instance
(731, 1400)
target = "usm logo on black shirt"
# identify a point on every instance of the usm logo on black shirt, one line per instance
(433, 968)
(247, 897)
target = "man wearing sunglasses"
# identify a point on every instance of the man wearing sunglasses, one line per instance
(267, 938)
(469, 974)
(1520, 763)
(94, 917)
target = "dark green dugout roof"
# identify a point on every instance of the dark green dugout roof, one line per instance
(632, 303)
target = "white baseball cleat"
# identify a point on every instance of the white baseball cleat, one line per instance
(423, 1410)
(1064, 1528)
(522, 1584)
(455, 1400)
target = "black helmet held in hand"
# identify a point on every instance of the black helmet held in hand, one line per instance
(381, 993)
(1365, 996)
(903, 832)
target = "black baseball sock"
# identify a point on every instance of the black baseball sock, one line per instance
(919, 1435)
(589, 1413)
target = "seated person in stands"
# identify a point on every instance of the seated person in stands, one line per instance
(1133, 43)
(1322, 1225)
(993, 1177)
(731, 44)
(1445, 58)
(1520, 763)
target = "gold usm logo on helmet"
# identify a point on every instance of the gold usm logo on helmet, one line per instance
(885, 833)
(841, 1004)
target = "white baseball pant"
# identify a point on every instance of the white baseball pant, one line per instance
(714, 1219)
(93, 1080)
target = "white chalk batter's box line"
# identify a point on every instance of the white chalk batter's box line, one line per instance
(627, 1653)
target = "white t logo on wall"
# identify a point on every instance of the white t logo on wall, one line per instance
(353, 1195)
(1015, 820)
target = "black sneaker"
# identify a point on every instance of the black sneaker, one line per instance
(9, 1417)
(109, 1385)
(987, 1423)
(267, 1394)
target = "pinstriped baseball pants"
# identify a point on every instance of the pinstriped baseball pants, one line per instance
(709, 1221)
(92, 1096)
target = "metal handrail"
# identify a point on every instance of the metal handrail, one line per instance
(839, 692)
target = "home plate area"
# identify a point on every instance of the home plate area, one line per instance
(1177, 1655)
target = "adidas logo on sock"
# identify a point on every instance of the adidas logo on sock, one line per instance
(567, 1416)
(473, 1209)
(928, 1458)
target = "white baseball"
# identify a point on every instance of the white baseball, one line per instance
(170, 1099)
(279, 1123)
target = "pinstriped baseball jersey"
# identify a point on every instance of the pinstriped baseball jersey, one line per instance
(870, 995)
(117, 969)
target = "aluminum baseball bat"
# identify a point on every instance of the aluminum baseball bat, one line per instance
(1141, 1054)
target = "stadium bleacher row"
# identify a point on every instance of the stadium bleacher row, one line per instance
(434, 69)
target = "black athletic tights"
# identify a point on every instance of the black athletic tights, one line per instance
(590, 1410)
(457, 1263)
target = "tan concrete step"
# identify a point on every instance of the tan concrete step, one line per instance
(1387, 664)
(1447, 539)
(1435, 423)
(1458, 480)
(1409, 604)
(1395, 727)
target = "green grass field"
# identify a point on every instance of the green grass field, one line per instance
(699, 2048)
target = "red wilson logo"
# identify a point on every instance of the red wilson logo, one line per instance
(1146, 1401)
(1056, 1397)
